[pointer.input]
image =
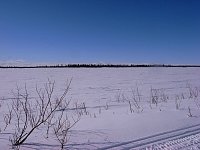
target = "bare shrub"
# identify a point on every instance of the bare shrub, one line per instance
(194, 94)
(136, 100)
(124, 97)
(189, 112)
(130, 107)
(193, 91)
(8, 118)
(30, 115)
(157, 96)
(121, 97)
(106, 106)
(49, 124)
(154, 97)
(81, 108)
(61, 128)
(178, 100)
(163, 96)
(118, 96)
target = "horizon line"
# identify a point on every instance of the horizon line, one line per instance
(95, 65)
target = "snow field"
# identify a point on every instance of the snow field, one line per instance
(117, 100)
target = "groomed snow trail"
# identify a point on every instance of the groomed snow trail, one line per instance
(188, 143)
(184, 138)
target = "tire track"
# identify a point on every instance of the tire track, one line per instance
(161, 137)
(187, 143)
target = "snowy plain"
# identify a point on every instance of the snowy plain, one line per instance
(113, 118)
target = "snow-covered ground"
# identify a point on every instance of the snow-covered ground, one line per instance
(118, 102)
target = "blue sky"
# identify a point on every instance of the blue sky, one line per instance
(111, 31)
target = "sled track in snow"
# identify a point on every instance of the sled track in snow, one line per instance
(187, 143)
(176, 138)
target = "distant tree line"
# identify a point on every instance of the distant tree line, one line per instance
(99, 66)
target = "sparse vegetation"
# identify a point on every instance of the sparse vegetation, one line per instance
(28, 114)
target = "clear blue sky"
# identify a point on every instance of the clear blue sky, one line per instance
(112, 31)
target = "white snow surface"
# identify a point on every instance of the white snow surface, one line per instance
(106, 92)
